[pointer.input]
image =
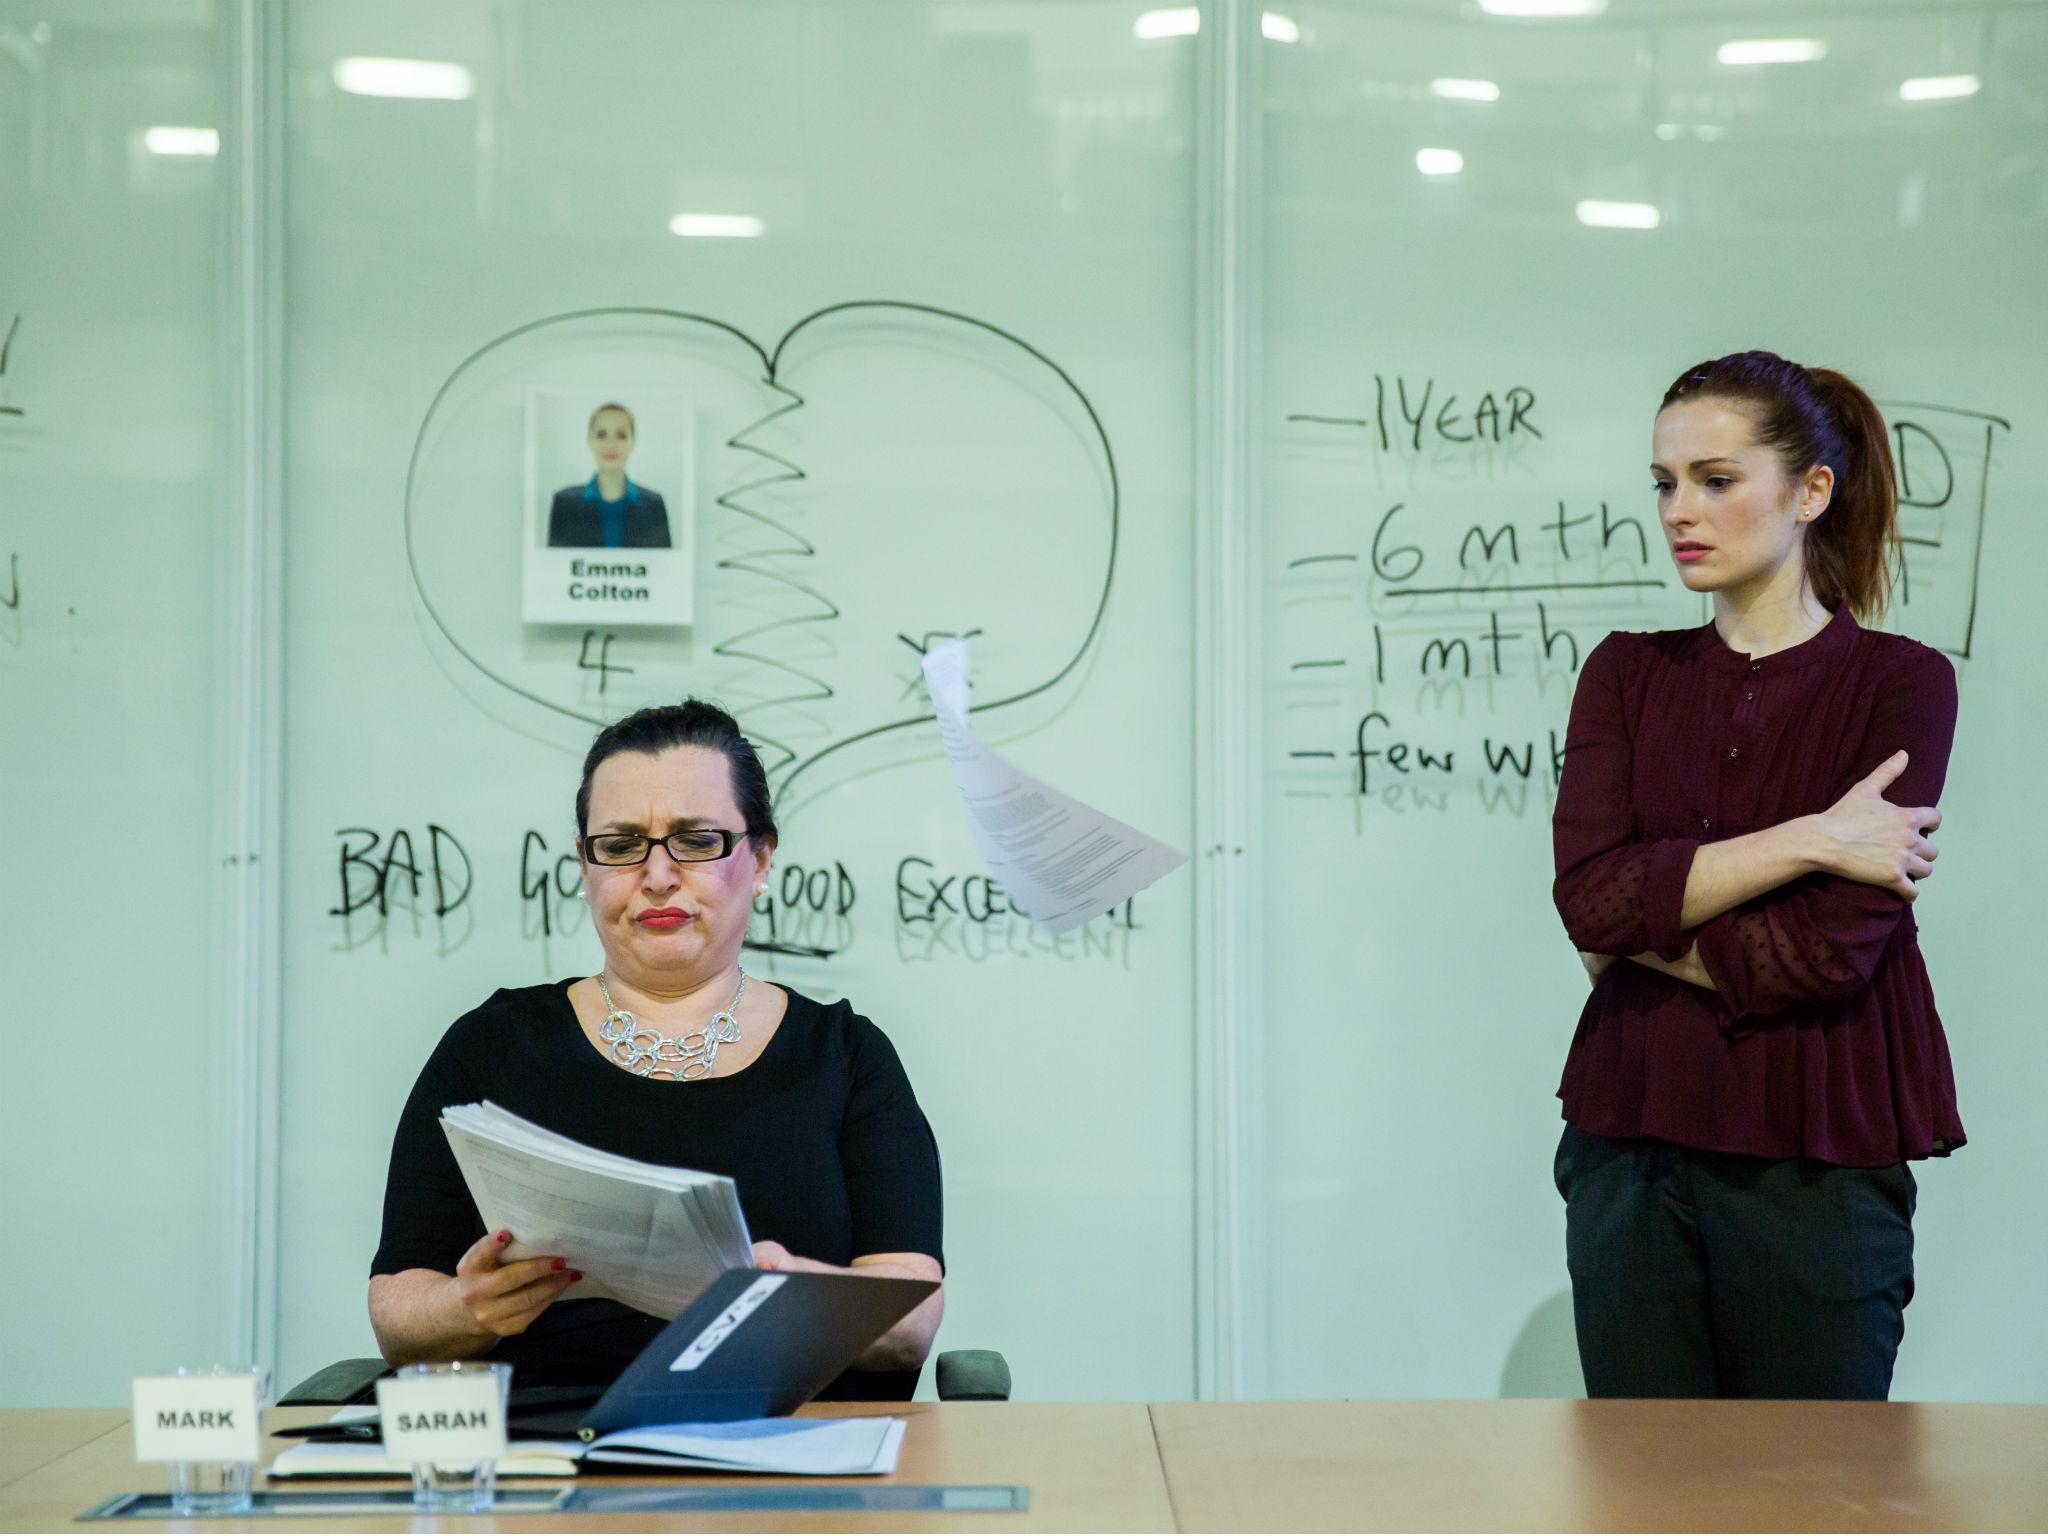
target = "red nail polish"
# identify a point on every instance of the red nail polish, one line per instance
(575, 1274)
(559, 1264)
(504, 1237)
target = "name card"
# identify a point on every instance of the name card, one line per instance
(743, 1307)
(612, 588)
(446, 1418)
(196, 1418)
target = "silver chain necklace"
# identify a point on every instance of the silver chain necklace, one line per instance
(679, 1058)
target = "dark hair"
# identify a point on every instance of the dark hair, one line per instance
(1815, 416)
(692, 723)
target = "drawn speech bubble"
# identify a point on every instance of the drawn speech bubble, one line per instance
(885, 475)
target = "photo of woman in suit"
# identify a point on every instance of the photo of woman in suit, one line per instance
(608, 511)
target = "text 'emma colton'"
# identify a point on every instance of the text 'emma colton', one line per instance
(585, 584)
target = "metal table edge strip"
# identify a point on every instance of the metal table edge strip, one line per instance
(950, 1498)
(329, 1503)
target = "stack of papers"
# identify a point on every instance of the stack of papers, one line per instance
(792, 1447)
(651, 1237)
(785, 1447)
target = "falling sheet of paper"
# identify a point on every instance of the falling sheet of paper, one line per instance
(1060, 862)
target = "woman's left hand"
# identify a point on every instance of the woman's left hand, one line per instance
(772, 1255)
(903, 1347)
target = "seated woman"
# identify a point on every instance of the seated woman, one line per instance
(803, 1105)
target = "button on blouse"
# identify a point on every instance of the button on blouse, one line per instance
(1819, 1038)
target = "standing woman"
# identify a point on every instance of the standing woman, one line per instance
(1741, 827)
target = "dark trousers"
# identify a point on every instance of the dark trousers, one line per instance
(1704, 1274)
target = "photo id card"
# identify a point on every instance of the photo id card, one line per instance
(609, 520)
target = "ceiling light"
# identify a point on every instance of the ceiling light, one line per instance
(1549, 8)
(1181, 21)
(420, 79)
(716, 226)
(1439, 162)
(1773, 50)
(1279, 29)
(1596, 214)
(1939, 87)
(1465, 90)
(181, 141)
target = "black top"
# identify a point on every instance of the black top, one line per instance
(1819, 1037)
(822, 1134)
(575, 520)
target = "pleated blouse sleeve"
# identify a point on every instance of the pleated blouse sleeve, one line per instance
(1619, 894)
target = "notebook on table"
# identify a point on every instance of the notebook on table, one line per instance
(851, 1447)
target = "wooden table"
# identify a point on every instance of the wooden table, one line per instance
(1553, 1465)
(1090, 1466)
(33, 1439)
(1482, 1465)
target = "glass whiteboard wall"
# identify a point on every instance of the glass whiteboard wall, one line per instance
(115, 1122)
(912, 296)
(1491, 243)
(928, 374)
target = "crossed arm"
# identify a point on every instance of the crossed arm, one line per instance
(1863, 837)
(1797, 912)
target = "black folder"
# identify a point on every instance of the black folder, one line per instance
(756, 1344)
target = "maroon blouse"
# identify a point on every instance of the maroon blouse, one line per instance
(1821, 1040)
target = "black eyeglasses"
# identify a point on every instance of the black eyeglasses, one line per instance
(696, 845)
